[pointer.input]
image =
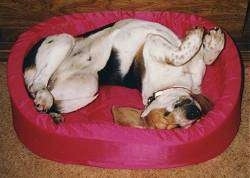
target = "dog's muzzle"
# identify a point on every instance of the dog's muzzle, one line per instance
(191, 110)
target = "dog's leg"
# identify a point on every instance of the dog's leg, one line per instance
(197, 69)
(68, 93)
(75, 91)
(213, 44)
(50, 55)
(29, 75)
(72, 93)
(157, 47)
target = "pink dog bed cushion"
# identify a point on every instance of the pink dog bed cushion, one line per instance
(89, 136)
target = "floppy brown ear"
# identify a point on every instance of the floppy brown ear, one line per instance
(127, 116)
(204, 102)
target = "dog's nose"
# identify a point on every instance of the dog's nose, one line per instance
(192, 112)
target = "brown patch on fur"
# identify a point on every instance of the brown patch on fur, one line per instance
(204, 102)
(139, 62)
(128, 117)
(158, 119)
(168, 61)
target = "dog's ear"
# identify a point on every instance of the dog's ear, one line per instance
(127, 116)
(205, 104)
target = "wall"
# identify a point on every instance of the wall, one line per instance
(17, 15)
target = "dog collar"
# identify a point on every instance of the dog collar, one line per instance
(160, 92)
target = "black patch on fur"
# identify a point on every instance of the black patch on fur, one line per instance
(30, 59)
(111, 74)
(54, 108)
(133, 78)
(87, 34)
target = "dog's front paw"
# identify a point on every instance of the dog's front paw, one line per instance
(213, 44)
(195, 36)
(43, 100)
(196, 32)
(214, 40)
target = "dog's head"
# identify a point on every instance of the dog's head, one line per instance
(176, 107)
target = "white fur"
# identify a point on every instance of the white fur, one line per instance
(50, 55)
(133, 33)
(166, 100)
(160, 75)
(168, 62)
(75, 91)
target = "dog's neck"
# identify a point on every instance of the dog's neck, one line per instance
(166, 98)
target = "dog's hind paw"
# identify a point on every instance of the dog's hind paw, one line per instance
(43, 100)
(213, 44)
(36, 86)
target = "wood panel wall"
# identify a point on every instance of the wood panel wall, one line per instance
(17, 15)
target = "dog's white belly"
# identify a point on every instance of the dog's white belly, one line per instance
(156, 28)
(126, 36)
(132, 35)
(90, 54)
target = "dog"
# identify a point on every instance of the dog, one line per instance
(62, 73)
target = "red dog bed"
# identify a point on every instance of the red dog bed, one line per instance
(89, 136)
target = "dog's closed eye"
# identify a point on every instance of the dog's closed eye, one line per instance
(50, 41)
(166, 113)
(77, 53)
(182, 102)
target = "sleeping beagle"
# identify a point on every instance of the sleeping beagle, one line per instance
(62, 73)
